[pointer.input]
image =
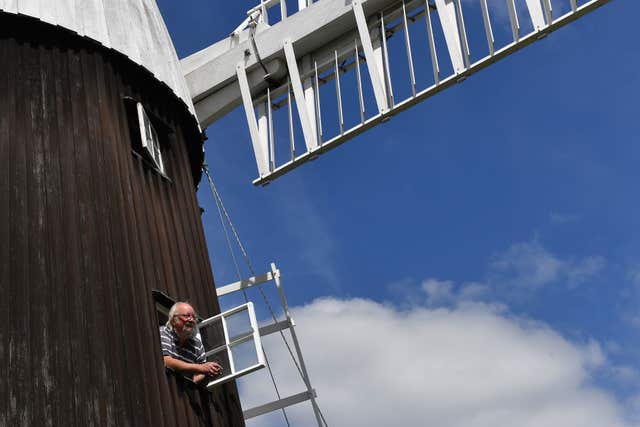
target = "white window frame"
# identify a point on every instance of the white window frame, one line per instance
(253, 335)
(149, 138)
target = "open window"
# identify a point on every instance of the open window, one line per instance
(231, 339)
(151, 137)
(239, 349)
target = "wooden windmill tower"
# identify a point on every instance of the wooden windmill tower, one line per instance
(101, 152)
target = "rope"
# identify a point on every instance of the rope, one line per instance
(237, 268)
(222, 211)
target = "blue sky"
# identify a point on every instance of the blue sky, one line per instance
(508, 201)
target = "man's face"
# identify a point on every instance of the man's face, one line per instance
(184, 321)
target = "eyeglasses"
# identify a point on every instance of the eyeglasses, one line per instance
(186, 316)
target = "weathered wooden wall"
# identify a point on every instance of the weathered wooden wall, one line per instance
(86, 232)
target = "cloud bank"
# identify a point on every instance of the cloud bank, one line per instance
(468, 365)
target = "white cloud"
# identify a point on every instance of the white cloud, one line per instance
(444, 292)
(583, 270)
(633, 407)
(469, 366)
(439, 292)
(625, 374)
(530, 265)
(473, 291)
(563, 218)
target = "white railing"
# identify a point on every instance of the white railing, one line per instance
(391, 60)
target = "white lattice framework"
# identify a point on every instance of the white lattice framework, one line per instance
(277, 72)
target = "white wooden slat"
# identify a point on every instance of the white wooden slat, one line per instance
(292, 138)
(296, 84)
(156, 58)
(432, 44)
(548, 11)
(29, 7)
(132, 43)
(574, 5)
(463, 34)
(122, 27)
(272, 148)
(263, 125)
(277, 405)
(385, 57)
(449, 22)
(65, 11)
(309, 90)
(259, 145)
(243, 284)
(141, 30)
(318, 111)
(407, 43)
(513, 17)
(9, 6)
(116, 17)
(132, 27)
(535, 11)
(359, 83)
(93, 20)
(374, 62)
(487, 27)
(338, 93)
(48, 14)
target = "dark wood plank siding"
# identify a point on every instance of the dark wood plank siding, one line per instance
(87, 230)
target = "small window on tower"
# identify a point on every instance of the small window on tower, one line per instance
(152, 138)
(149, 138)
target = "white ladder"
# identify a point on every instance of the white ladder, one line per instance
(277, 327)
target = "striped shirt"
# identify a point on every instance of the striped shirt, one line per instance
(191, 352)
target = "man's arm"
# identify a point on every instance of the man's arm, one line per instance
(207, 368)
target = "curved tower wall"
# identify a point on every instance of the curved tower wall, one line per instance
(134, 28)
(87, 230)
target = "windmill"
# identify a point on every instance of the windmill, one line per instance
(101, 145)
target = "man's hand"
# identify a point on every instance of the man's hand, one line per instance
(211, 369)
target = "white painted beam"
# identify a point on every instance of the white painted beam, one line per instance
(449, 21)
(310, 137)
(246, 283)
(374, 62)
(259, 145)
(278, 404)
(535, 11)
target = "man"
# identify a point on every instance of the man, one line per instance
(182, 349)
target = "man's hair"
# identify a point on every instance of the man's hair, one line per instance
(172, 313)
